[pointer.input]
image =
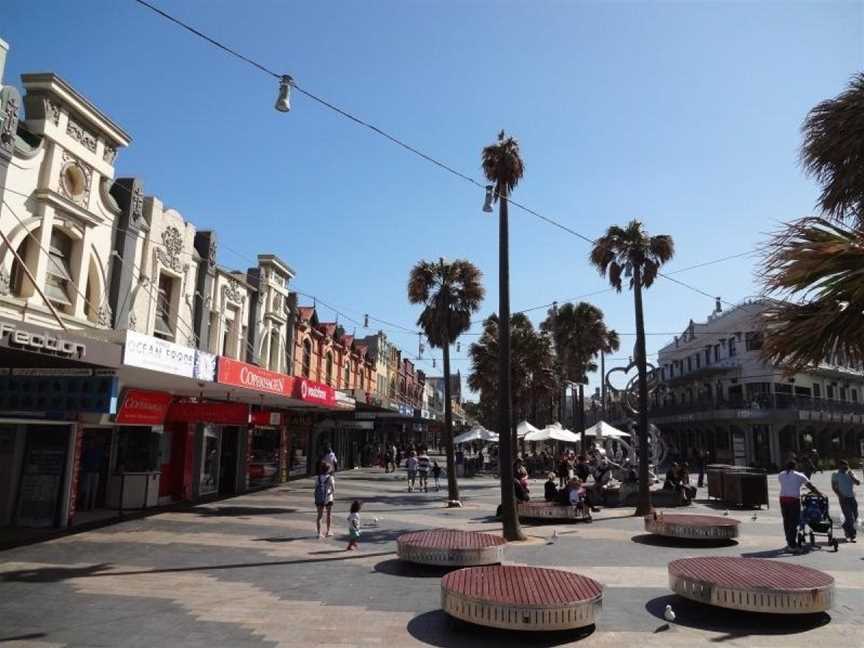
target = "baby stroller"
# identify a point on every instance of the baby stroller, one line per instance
(814, 514)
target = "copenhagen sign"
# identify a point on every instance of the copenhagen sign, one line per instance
(44, 342)
(152, 353)
(242, 374)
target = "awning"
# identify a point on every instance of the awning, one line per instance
(477, 433)
(525, 428)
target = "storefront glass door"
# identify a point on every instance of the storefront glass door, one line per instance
(210, 461)
(42, 476)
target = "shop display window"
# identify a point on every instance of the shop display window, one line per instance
(138, 449)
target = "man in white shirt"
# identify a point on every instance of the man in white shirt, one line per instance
(791, 482)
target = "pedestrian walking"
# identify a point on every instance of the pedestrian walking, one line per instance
(388, 460)
(411, 470)
(436, 475)
(354, 525)
(325, 492)
(423, 466)
(843, 483)
(791, 482)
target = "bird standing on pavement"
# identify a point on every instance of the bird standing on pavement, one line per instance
(669, 614)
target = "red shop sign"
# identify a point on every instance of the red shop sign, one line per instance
(273, 419)
(206, 412)
(313, 392)
(241, 374)
(142, 407)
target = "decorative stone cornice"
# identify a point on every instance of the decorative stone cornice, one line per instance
(231, 292)
(169, 252)
(81, 135)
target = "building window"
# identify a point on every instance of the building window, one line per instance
(329, 369)
(59, 279)
(698, 361)
(164, 298)
(732, 351)
(307, 358)
(16, 279)
(753, 341)
(854, 395)
(277, 303)
(817, 391)
(347, 384)
(829, 391)
(689, 364)
(708, 356)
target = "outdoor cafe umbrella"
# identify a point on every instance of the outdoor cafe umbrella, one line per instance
(525, 428)
(602, 429)
(477, 433)
(553, 432)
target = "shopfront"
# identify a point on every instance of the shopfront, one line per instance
(51, 384)
(264, 452)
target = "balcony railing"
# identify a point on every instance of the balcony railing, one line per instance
(759, 402)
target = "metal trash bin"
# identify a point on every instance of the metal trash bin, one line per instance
(714, 473)
(746, 488)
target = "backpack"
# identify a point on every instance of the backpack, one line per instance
(321, 490)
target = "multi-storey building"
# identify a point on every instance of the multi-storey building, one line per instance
(717, 393)
(269, 314)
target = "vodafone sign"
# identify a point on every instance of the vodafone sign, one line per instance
(241, 374)
(312, 392)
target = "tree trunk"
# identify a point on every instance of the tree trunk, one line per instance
(580, 419)
(510, 520)
(452, 484)
(603, 385)
(644, 505)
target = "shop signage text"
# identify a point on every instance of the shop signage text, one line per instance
(206, 412)
(42, 342)
(143, 407)
(241, 374)
(315, 393)
(160, 355)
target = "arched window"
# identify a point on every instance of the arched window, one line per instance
(347, 384)
(18, 277)
(307, 358)
(329, 368)
(58, 282)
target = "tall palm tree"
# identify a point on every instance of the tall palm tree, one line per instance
(450, 293)
(817, 261)
(631, 252)
(580, 334)
(503, 166)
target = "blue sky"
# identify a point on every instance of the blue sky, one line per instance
(684, 115)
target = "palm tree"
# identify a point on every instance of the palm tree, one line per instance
(450, 293)
(817, 260)
(579, 334)
(631, 252)
(531, 368)
(503, 166)
(822, 261)
(833, 151)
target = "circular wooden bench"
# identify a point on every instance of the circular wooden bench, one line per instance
(685, 526)
(521, 598)
(542, 510)
(450, 548)
(752, 584)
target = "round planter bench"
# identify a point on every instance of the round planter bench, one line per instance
(685, 526)
(521, 598)
(542, 510)
(752, 584)
(450, 548)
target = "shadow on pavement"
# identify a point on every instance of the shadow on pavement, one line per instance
(23, 637)
(237, 511)
(396, 567)
(654, 540)
(436, 628)
(768, 553)
(735, 624)
(53, 574)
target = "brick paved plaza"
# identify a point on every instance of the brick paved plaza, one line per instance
(249, 572)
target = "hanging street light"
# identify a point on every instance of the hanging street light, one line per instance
(283, 102)
(487, 202)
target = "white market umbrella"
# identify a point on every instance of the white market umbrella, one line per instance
(525, 428)
(477, 433)
(554, 432)
(603, 430)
